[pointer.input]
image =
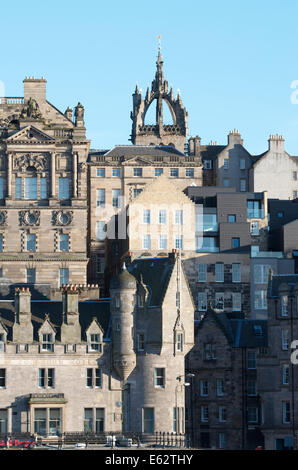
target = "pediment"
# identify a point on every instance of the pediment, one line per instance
(30, 134)
(46, 327)
(94, 328)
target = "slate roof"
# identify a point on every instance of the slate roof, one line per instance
(210, 152)
(155, 273)
(290, 279)
(88, 309)
(138, 151)
(240, 333)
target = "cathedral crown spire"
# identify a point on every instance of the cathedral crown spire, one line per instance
(159, 133)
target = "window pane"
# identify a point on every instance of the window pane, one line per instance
(64, 242)
(100, 197)
(63, 188)
(100, 230)
(1, 187)
(219, 272)
(31, 276)
(43, 188)
(64, 276)
(30, 188)
(18, 188)
(31, 242)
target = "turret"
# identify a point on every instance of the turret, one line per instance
(123, 292)
(70, 328)
(22, 328)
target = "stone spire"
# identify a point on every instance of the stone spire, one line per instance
(158, 133)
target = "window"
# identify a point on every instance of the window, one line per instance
(219, 301)
(18, 187)
(46, 378)
(284, 340)
(47, 343)
(31, 242)
(1, 242)
(146, 242)
(158, 171)
(204, 414)
(236, 272)
(31, 275)
(30, 188)
(100, 230)
(179, 217)
(146, 216)
(140, 341)
(285, 374)
(100, 197)
(222, 414)
(219, 272)
(174, 172)
(261, 273)
(251, 388)
(258, 330)
(254, 209)
(235, 242)
(100, 172)
(93, 378)
(261, 299)
(232, 218)
(162, 216)
(138, 172)
(136, 191)
(242, 185)
(202, 301)
(40, 421)
(43, 190)
(254, 228)
(226, 182)
(204, 388)
(251, 360)
(209, 351)
(63, 187)
(3, 421)
(159, 377)
(88, 420)
(226, 163)
(100, 264)
(222, 440)
(99, 420)
(207, 245)
(2, 378)
(162, 242)
(179, 242)
(189, 173)
(116, 172)
(236, 301)
(179, 342)
(284, 305)
(64, 242)
(95, 342)
(252, 414)
(207, 164)
(148, 420)
(242, 164)
(116, 197)
(219, 387)
(202, 272)
(286, 412)
(1, 187)
(63, 276)
(295, 175)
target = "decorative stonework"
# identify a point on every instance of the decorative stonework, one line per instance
(29, 218)
(39, 162)
(3, 217)
(82, 167)
(31, 110)
(62, 217)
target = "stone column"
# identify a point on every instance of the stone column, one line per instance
(9, 419)
(75, 175)
(53, 174)
(9, 174)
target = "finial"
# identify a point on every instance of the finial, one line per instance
(159, 44)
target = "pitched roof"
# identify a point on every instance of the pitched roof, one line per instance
(142, 150)
(88, 309)
(155, 273)
(290, 279)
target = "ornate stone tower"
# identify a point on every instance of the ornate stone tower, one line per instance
(159, 133)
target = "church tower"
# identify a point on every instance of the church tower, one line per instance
(159, 133)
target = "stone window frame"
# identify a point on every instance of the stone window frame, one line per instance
(159, 377)
(93, 374)
(46, 378)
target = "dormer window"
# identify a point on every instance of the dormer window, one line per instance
(47, 342)
(210, 351)
(95, 342)
(258, 330)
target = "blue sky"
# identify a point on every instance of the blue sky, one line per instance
(233, 61)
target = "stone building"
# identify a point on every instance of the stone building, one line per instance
(223, 401)
(107, 365)
(277, 382)
(43, 189)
